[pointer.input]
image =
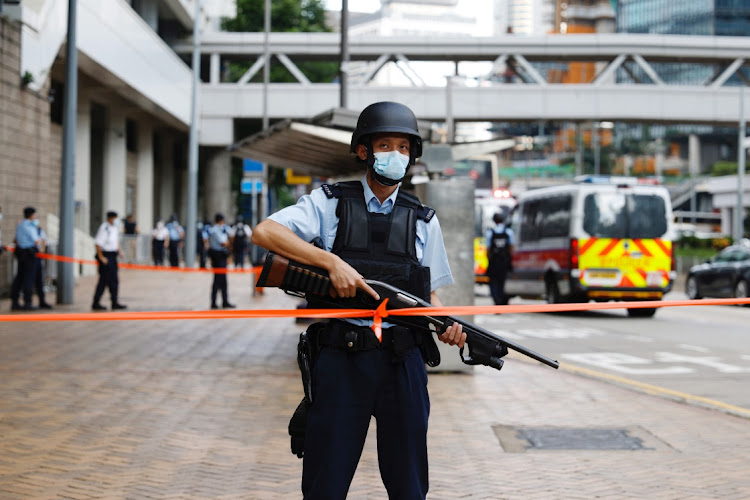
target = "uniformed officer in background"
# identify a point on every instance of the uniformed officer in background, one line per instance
(176, 235)
(39, 270)
(241, 233)
(500, 239)
(107, 242)
(368, 229)
(27, 239)
(218, 251)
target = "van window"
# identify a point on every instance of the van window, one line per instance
(647, 216)
(620, 215)
(555, 216)
(529, 221)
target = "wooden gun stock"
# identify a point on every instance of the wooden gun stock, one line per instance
(282, 273)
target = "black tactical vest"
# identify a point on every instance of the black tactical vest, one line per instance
(381, 246)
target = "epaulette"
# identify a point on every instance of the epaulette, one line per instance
(423, 212)
(329, 190)
(338, 190)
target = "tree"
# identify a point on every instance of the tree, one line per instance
(286, 16)
(289, 16)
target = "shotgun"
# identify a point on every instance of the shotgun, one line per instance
(313, 284)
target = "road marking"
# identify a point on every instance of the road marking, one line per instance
(623, 363)
(695, 348)
(659, 391)
(708, 361)
(559, 333)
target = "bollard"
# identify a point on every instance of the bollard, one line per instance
(453, 199)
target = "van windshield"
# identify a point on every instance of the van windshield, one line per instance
(622, 215)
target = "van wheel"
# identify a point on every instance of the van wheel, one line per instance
(643, 312)
(553, 294)
(691, 288)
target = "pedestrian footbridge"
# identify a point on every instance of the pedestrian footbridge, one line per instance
(621, 77)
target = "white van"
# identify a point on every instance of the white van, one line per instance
(601, 238)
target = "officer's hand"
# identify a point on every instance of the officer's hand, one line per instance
(345, 280)
(454, 335)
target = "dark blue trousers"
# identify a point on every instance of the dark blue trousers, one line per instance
(348, 389)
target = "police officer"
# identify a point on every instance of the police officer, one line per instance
(218, 251)
(176, 234)
(107, 242)
(368, 229)
(241, 233)
(27, 239)
(201, 235)
(39, 270)
(500, 239)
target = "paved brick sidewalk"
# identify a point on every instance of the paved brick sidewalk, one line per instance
(199, 409)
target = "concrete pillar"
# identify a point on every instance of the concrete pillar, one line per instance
(215, 69)
(149, 11)
(659, 161)
(218, 186)
(144, 210)
(166, 181)
(694, 162)
(114, 174)
(83, 163)
(456, 197)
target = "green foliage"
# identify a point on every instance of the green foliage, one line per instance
(701, 247)
(286, 15)
(725, 168)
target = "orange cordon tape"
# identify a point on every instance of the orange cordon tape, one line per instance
(376, 315)
(144, 267)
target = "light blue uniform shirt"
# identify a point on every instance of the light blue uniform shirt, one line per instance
(217, 236)
(315, 215)
(499, 229)
(175, 231)
(26, 234)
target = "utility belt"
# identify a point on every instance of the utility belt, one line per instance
(356, 338)
(25, 252)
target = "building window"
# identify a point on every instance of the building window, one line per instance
(56, 101)
(131, 136)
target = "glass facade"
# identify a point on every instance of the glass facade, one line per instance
(682, 17)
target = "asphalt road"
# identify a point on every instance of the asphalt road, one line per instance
(701, 351)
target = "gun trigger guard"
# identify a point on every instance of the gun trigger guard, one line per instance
(468, 360)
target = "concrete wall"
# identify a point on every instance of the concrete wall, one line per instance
(30, 146)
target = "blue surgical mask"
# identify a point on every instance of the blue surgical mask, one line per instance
(35, 222)
(391, 164)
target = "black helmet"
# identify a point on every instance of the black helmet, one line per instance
(388, 117)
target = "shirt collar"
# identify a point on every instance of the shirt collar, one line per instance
(371, 198)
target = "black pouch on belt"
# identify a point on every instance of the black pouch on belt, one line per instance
(297, 428)
(307, 350)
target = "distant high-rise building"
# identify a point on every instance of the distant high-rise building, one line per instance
(694, 17)
(525, 17)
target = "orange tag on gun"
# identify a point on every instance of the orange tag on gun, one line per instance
(377, 320)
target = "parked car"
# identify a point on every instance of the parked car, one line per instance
(725, 275)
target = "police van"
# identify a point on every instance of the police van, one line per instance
(601, 238)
